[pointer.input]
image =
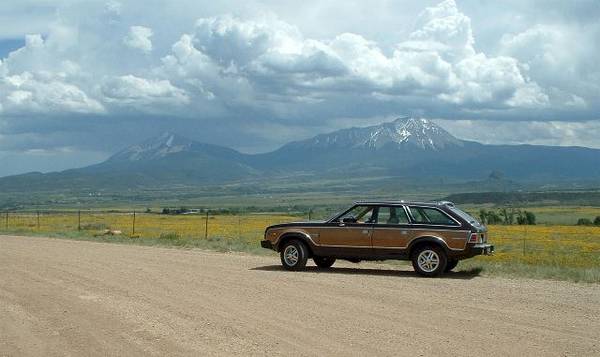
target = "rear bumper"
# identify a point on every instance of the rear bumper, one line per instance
(482, 249)
(267, 244)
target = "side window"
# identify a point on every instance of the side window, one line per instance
(424, 215)
(391, 215)
(359, 214)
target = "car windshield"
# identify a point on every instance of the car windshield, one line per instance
(464, 215)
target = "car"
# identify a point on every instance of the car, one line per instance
(435, 236)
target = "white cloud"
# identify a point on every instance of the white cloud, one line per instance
(562, 133)
(139, 38)
(130, 89)
(263, 62)
(439, 60)
(46, 93)
(494, 80)
(557, 56)
(446, 29)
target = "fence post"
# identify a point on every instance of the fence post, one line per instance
(309, 213)
(6, 222)
(38, 220)
(206, 226)
(524, 239)
(133, 225)
(79, 220)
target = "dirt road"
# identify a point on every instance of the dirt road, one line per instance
(61, 297)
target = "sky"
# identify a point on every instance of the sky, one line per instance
(81, 80)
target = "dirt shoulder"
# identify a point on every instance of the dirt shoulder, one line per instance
(62, 297)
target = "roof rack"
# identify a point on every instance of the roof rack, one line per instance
(375, 202)
(446, 203)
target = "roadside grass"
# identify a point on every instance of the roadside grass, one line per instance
(524, 270)
(541, 252)
(217, 244)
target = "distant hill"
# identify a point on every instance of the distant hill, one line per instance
(523, 198)
(407, 148)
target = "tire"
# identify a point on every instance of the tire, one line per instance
(429, 260)
(451, 265)
(324, 262)
(294, 255)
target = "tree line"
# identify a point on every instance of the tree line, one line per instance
(507, 216)
(588, 222)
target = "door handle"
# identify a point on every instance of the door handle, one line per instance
(341, 225)
(365, 231)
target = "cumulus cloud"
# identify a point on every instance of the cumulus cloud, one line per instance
(46, 92)
(262, 62)
(139, 38)
(272, 57)
(556, 55)
(130, 89)
(445, 29)
(584, 133)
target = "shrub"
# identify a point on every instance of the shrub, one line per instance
(489, 217)
(169, 236)
(526, 217)
(530, 217)
(597, 221)
(584, 222)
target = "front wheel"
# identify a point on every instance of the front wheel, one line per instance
(324, 262)
(429, 260)
(294, 255)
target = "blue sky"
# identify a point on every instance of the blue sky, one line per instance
(81, 80)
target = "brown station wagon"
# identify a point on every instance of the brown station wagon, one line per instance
(434, 236)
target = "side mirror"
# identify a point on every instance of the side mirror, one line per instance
(349, 220)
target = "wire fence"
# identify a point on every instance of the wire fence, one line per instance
(561, 245)
(249, 226)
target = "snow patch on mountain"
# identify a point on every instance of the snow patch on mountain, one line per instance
(155, 148)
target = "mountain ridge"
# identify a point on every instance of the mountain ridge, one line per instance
(414, 148)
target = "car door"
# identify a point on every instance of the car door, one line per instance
(350, 233)
(391, 231)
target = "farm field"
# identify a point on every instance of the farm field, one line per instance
(548, 251)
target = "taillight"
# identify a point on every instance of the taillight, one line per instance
(474, 238)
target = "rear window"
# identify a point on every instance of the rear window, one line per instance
(426, 215)
(464, 215)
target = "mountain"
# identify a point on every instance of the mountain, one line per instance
(402, 133)
(155, 148)
(168, 159)
(173, 159)
(406, 148)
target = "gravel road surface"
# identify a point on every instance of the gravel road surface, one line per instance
(62, 297)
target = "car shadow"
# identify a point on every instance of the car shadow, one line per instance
(461, 274)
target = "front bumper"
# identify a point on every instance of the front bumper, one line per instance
(482, 249)
(266, 244)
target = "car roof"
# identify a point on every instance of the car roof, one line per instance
(402, 202)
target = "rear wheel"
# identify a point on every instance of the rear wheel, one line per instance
(294, 255)
(451, 264)
(324, 262)
(429, 260)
